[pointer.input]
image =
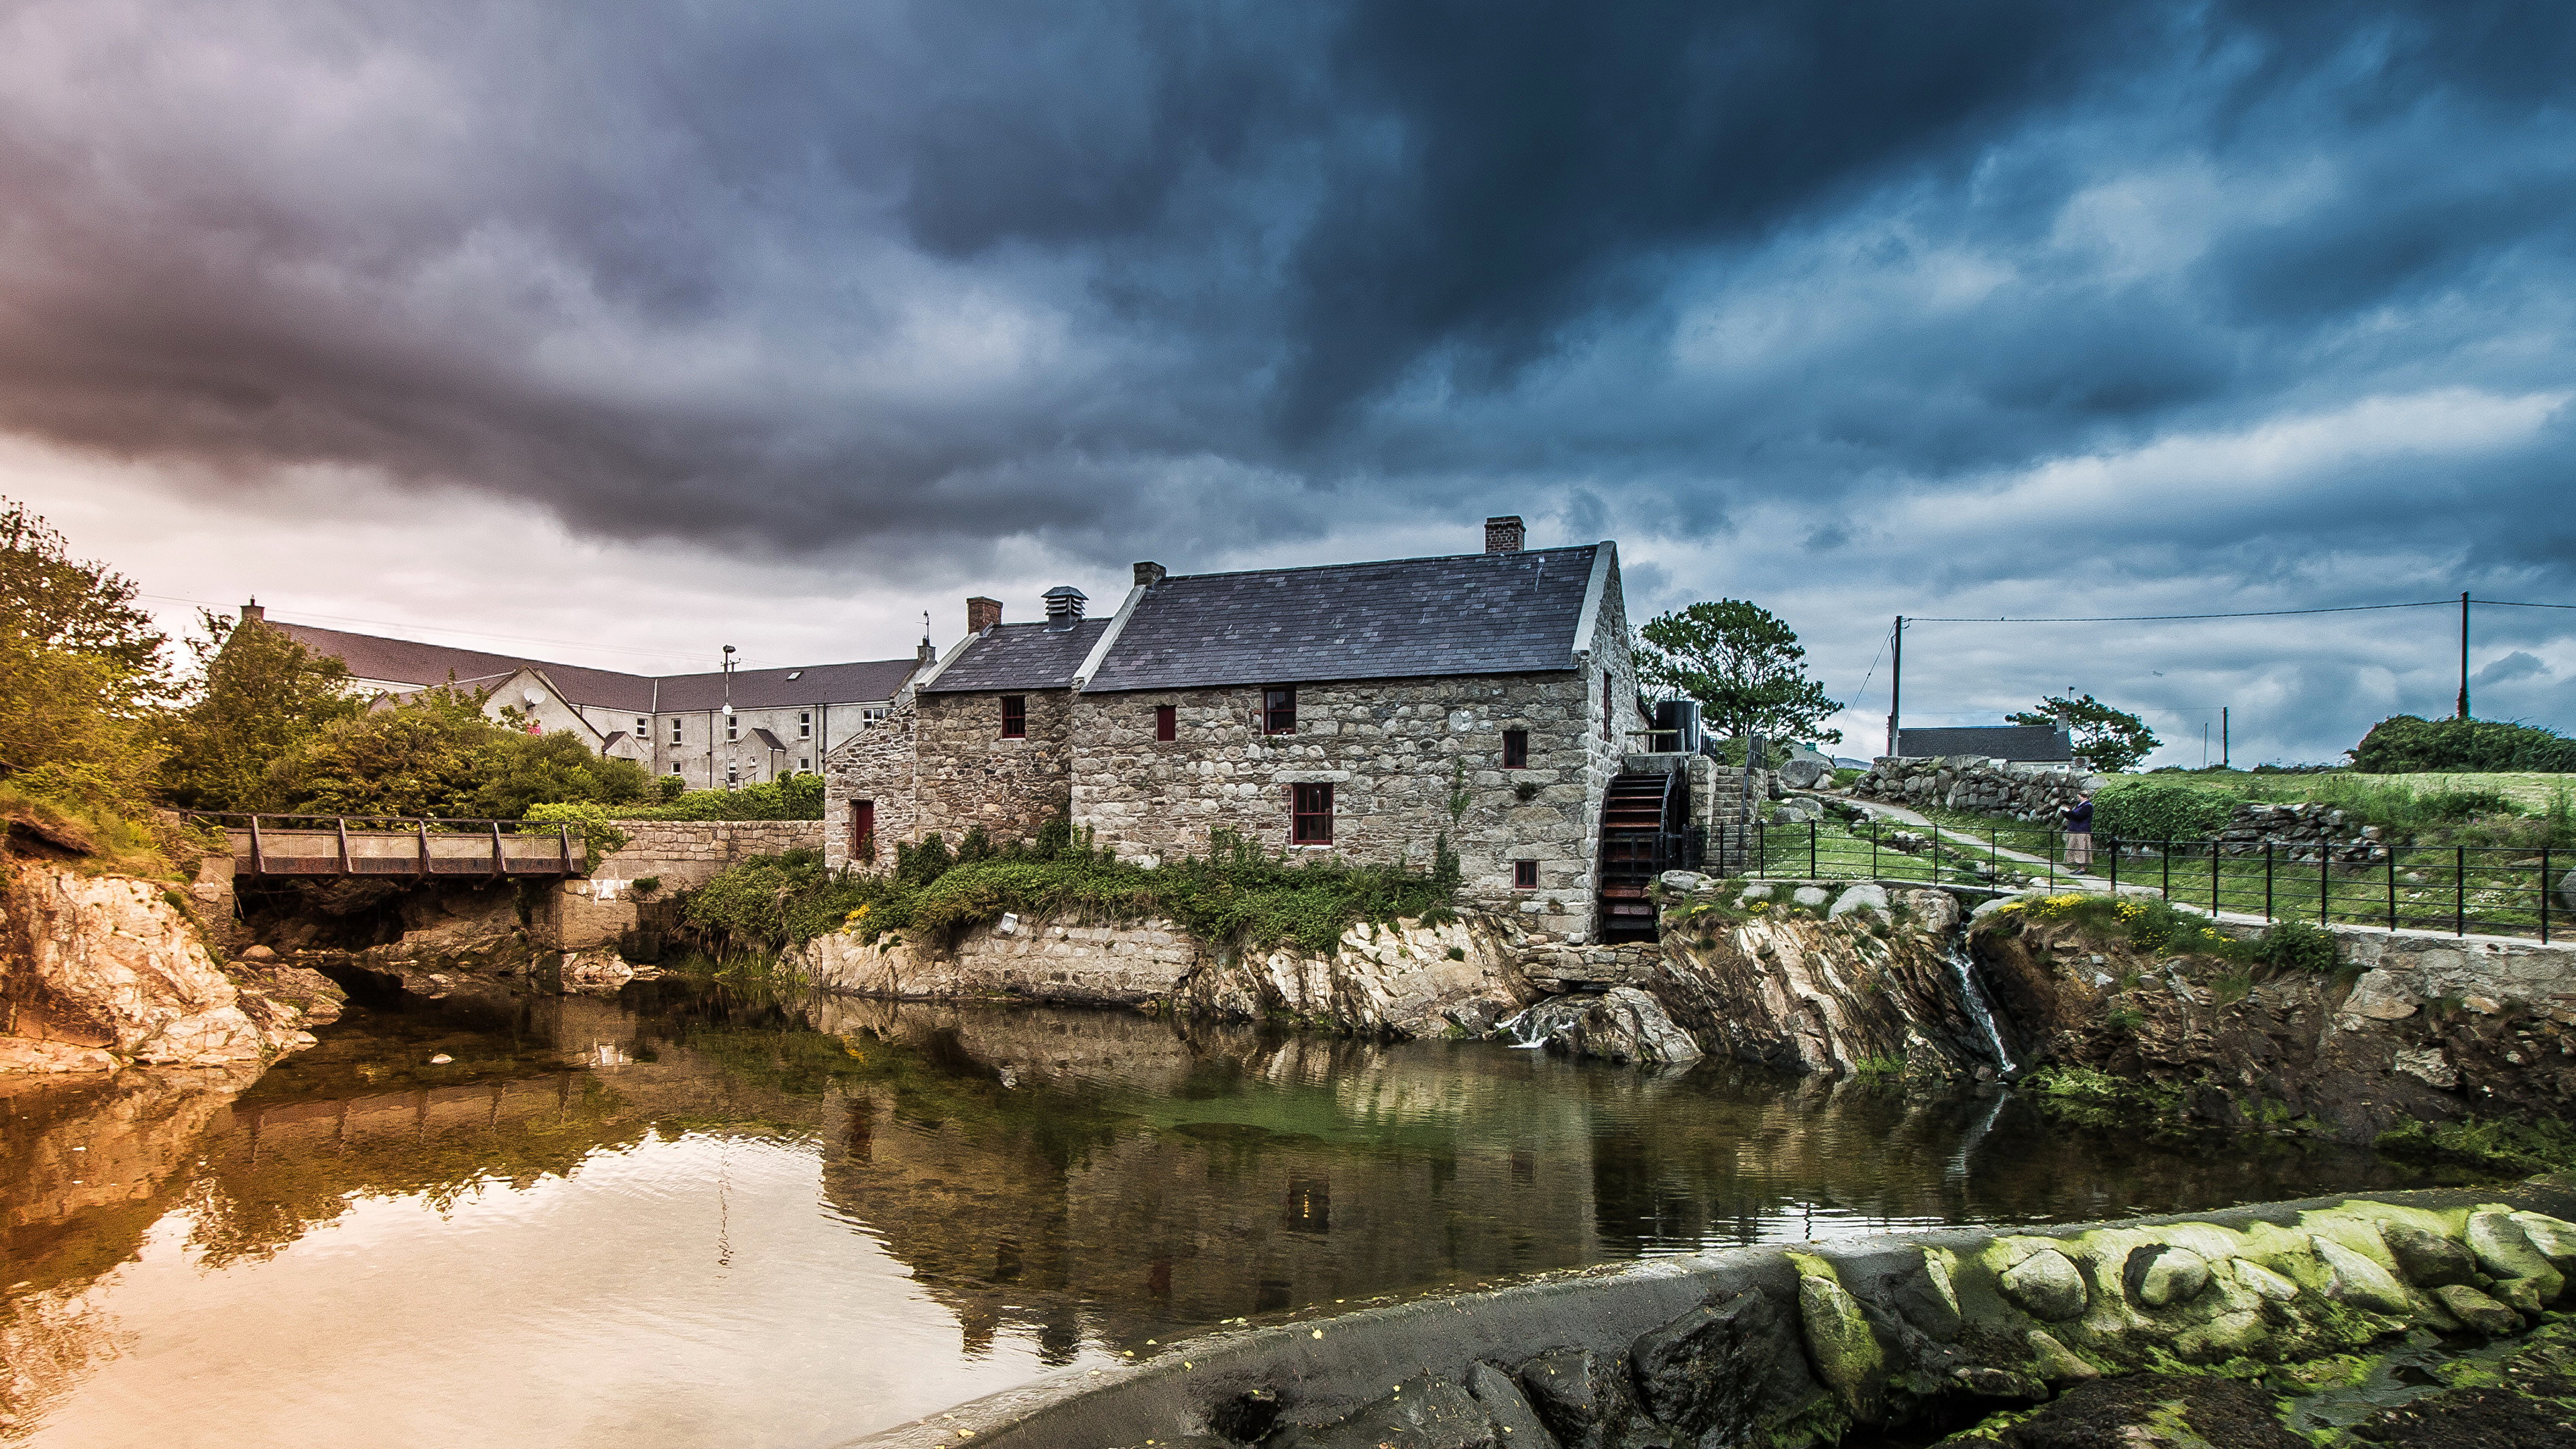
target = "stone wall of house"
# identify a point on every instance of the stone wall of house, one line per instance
(875, 765)
(1408, 760)
(968, 775)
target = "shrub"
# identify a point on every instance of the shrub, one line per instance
(598, 833)
(2406, 745)
(791, 797)
(2160, 810)
(2295, 946)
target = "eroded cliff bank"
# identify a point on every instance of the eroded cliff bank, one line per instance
(102, 971)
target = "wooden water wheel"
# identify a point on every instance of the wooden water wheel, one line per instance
(1645, 822)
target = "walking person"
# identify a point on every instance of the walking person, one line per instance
(2079, 833)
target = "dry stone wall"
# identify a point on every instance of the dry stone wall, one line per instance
(1971, 782)
(678, 855)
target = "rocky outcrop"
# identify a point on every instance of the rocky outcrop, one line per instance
(1406, 979)
(1809, 1343)
(1799, 977)
(1622, 1024)
(103, 970)
(2411, 1029)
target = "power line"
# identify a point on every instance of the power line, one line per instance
(2248, 614)
(2511, 604)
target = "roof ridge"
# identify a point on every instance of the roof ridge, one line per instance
(1376, 563)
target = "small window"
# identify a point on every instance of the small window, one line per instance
(733, 727)
(1605, 704)
(1279, 711)
(675, 731)
(1167, 721)
(1516, 749)
(643, 728)
(805, 725)
(1524, 875)
(1311, 811)
(1015, 716)
(869, 717)
(805, 762)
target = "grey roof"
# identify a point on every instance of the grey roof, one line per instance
(1992, 742)
(765, 739)
(408, 661)
(1018, 656)
(1478, 613)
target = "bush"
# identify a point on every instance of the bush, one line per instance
(598, 833)
(1234, 898)
(2295, 946)
(2150, 809)
(2406, 745)
(791, 797)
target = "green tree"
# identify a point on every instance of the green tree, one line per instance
(520, 770)
(81, 677)
(259, 695)
(1743, 664)
(423, 756)
(76, 606)
(2111, 739)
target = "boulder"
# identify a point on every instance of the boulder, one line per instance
(2505, 1251)
(1802, 774)
(2161, 1277)
(2427, 1258)
(1863, 897)
(1812, 897)
(1622, 1024)
(2046, 1285)
(2360, 1282)
(1683, 882)
(1423, 1411)
(2552, 1238)
(2479, 1312)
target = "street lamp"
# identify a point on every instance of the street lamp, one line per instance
(733, 771)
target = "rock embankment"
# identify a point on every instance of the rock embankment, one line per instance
(2406, 1029)
(1810, 1343)
(99, 971)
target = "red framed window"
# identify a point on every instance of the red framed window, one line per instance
(1310, 810)
(1279, 711)
(1015, 716)
(1524, 875)
(1516, 749)
(1167, 722)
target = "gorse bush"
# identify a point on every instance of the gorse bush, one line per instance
(2406, 745)
(2166, 929)
(2151, 809)
(1235, 897)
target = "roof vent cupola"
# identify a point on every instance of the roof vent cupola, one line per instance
(1503, 535)
(1064, 606)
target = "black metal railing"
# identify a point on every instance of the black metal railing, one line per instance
(2492, 890)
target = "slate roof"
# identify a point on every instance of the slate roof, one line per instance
(1478, 613)
(2036, 743)
(420, 666)
(1018, 656)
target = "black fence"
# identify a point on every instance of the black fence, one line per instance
(2493, 890)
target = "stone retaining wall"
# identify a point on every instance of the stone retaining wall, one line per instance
(589, 912)
(1971, 782)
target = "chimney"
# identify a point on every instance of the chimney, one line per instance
(252, 613)
(1148, 575)
(982, 614)
(1064, 606)
(1503, 535)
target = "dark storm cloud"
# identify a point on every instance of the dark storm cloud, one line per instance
(1174, 279)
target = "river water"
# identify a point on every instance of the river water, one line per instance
(692, 1215)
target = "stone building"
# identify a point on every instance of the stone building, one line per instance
(1355, 712)
(783, 720)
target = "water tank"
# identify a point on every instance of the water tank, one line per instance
(1677, 727)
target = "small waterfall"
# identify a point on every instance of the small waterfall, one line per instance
(1534, 1026)
(1973, 997)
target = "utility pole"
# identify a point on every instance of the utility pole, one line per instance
(1896, 685)
(2464, 654)
(731, 778)
(2222, 737)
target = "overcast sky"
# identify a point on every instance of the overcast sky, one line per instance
(617, 332)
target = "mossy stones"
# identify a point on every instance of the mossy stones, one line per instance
(1840, 1342)
(2477, 1311)
(2552, 1238)
(2359, 1282)
(2428, 1259)
(2506, 1252)
(1928, 1301)
(2162, 1275)
(2055, 1362)
(2046, 1285)
(2262, 1282)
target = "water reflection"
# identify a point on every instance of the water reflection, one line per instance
(643, 1214)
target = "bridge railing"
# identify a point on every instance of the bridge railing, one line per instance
(410, 845)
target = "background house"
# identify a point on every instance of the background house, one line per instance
(783, 721)
(2032, 744)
